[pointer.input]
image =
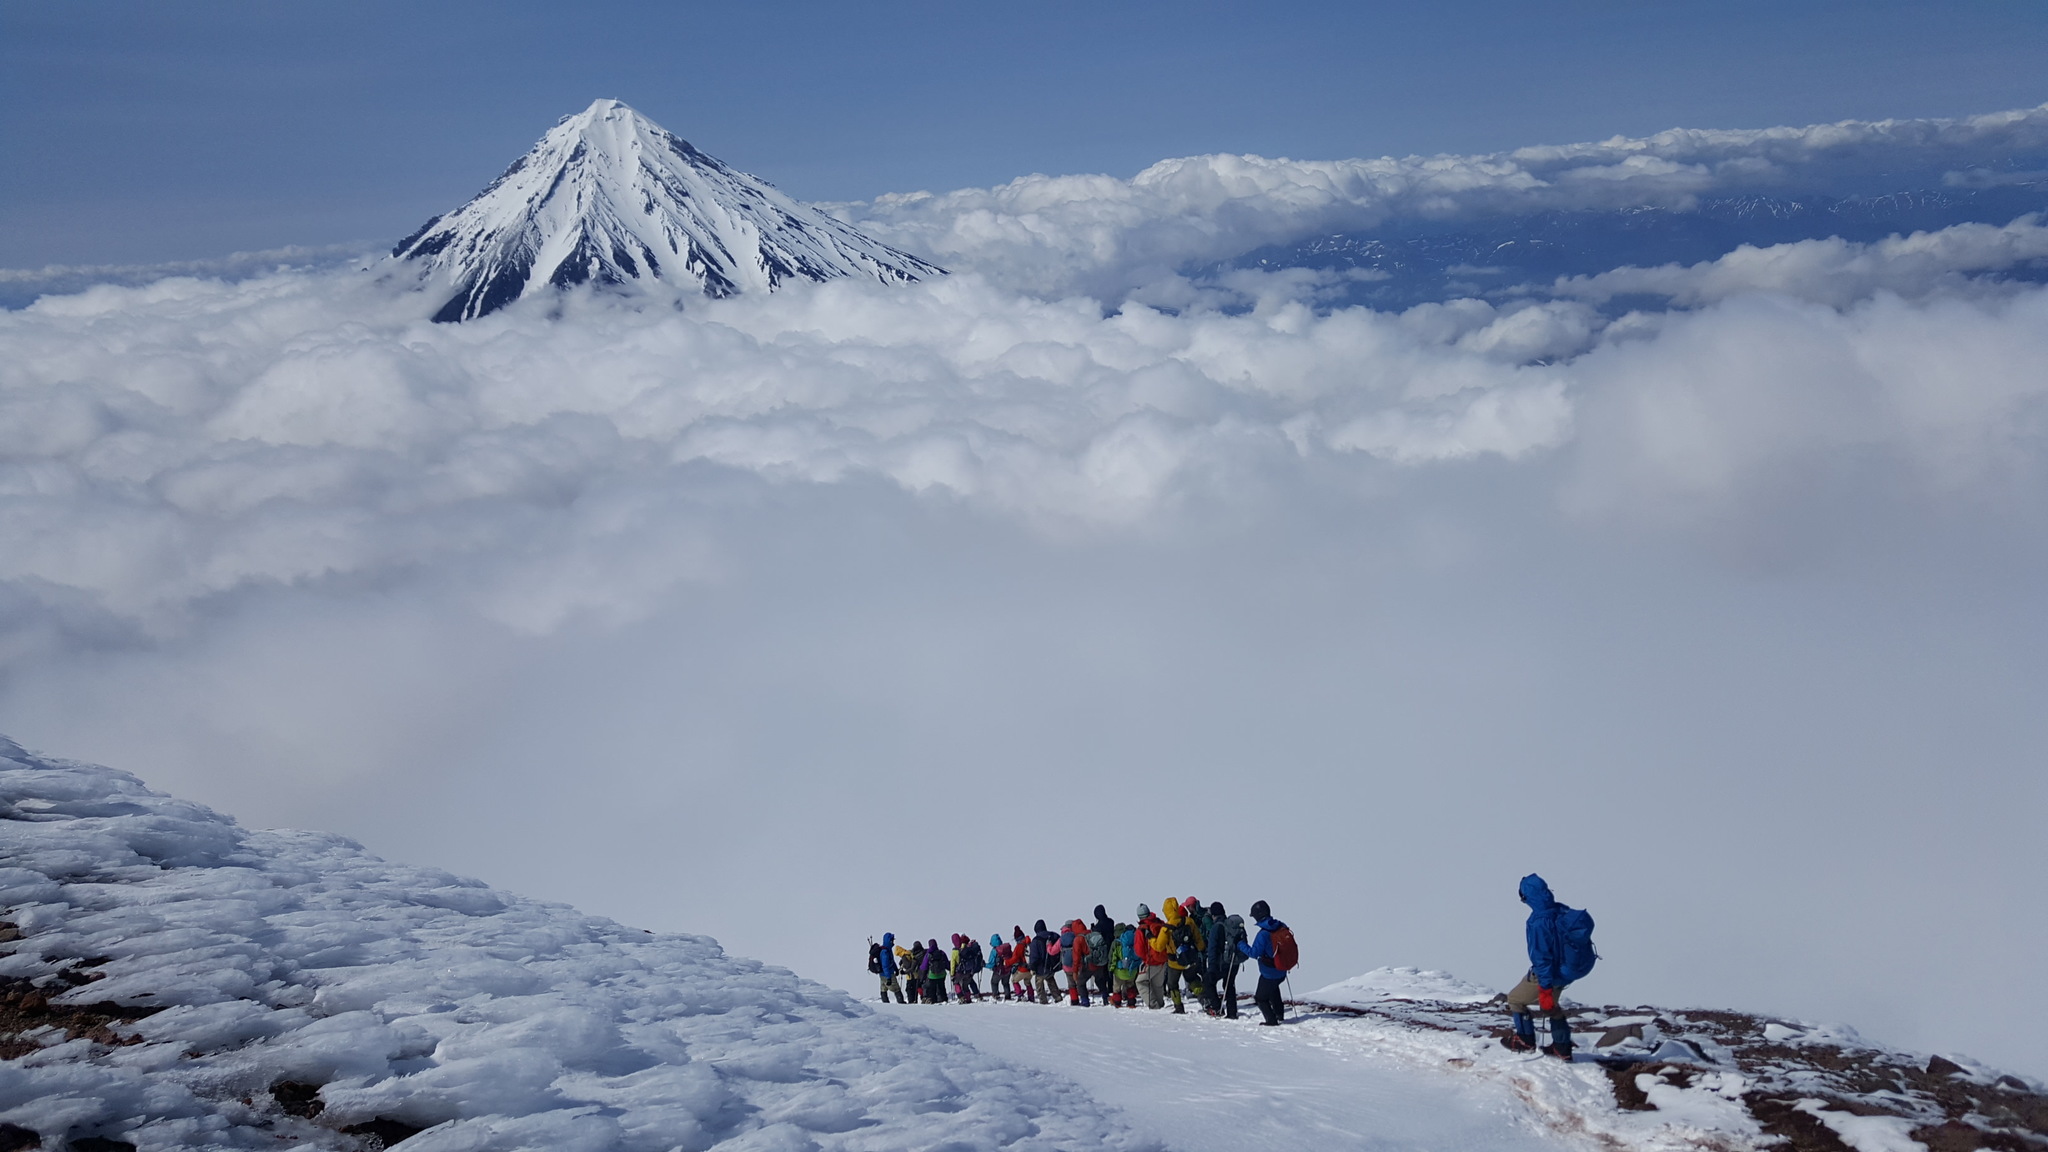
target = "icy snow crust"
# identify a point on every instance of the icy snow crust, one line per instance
(608, 196)
(1403, 984)
(412, 996)
(1404, 1059)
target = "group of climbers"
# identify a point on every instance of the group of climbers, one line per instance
(919, 973)
(1189, 950)
(1186, 951)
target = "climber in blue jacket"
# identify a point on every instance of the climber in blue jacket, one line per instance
(1552, 964)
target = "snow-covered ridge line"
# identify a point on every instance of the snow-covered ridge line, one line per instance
(1709, 1078)
(610, 197)
(169, 979)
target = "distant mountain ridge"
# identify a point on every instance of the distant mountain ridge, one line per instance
(610, 197)
(1416, 262)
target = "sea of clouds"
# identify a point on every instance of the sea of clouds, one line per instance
(1069, 577)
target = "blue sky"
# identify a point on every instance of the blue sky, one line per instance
(144, 132)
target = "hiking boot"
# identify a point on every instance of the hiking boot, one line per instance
(1178, 1010)
(1561, 1051)
(1514, 1043)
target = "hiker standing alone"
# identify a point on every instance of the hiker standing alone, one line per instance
(1273, 948)
(1560, 942)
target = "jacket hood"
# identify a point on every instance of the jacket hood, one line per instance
(1172, 911)
(995, 941)
(1216, 909)
(888, 939)
(1535, 893)
(932, 947)
(917, 945)
(1100, 913)
(1039, 927)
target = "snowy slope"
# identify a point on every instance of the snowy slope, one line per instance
(608, 196)
(171, 980)
(1395, 1068)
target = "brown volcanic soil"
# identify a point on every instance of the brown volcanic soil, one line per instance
(1951, 1108)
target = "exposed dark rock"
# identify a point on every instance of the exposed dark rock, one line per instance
(26, 1008)
(383, 1131)
(1801, 1131)
(295, 1098)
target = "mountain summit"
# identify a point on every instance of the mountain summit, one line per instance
(610, 196)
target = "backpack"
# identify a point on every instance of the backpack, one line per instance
(970, 958)
(1286, 954)
(1184, 943)
(1098, 950)
(875, 958)
(1575, 933)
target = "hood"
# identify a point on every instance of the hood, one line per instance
(917, 945)
(1039, 927)
(932, 947)
(995, 940)
(888, 939)
(1172, 911)
(1216, 909)
(1100, 914)
(1535, 893)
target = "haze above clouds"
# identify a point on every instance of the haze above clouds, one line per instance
(1073, 578)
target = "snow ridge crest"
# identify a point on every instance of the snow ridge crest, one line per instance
(610, 197)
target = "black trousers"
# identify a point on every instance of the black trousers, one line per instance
(1102, 982)
(1269, 1000)
(1226, 988)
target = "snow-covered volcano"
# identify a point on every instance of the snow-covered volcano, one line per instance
(610, 196)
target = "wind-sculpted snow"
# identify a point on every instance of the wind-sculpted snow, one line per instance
(241, 968)
(1106, 236)
(610, 197)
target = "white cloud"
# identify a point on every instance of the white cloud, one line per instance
(180, 441)
(1103, 236)
(1833, 271)
(166, 445)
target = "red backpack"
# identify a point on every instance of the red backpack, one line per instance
(1286, 954)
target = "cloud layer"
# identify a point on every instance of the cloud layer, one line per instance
(1104, 236)
(170, 444)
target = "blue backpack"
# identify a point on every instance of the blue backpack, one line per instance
(1575, 929)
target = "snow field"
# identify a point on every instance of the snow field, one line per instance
(1341, 1082)
(408, 994)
